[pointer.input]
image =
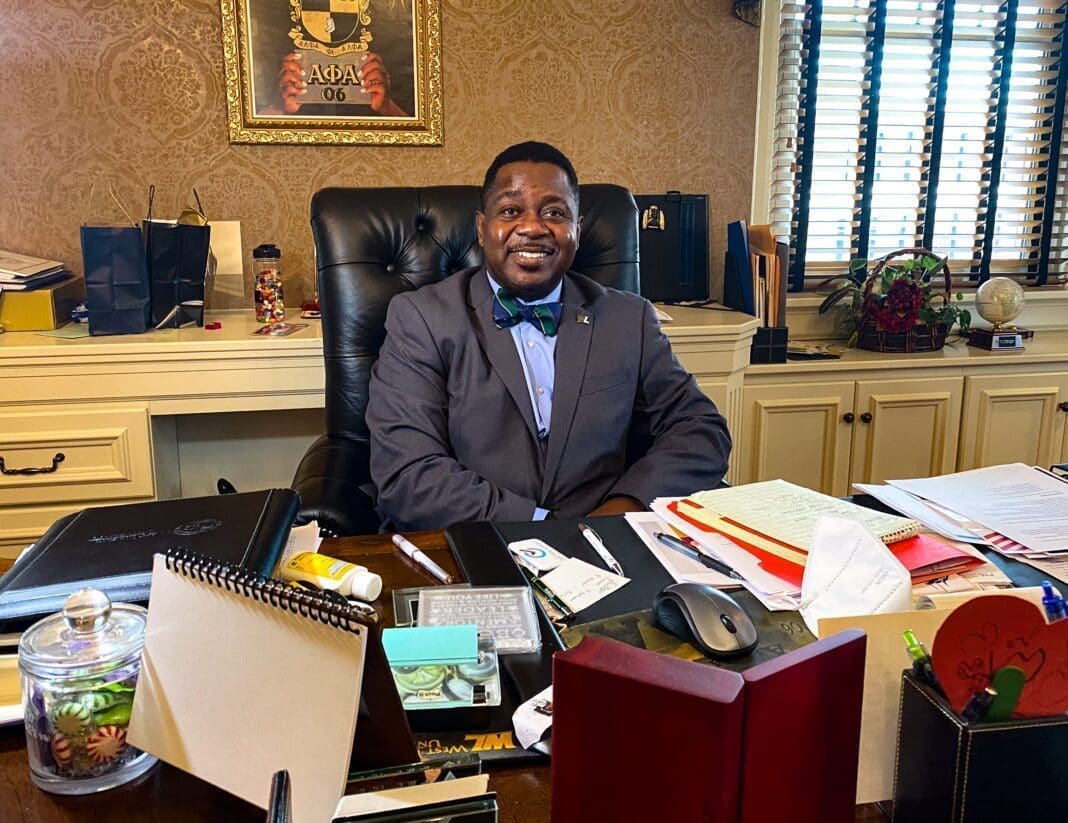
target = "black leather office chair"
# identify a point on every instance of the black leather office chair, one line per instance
(372, 244)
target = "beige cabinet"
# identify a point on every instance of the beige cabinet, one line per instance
(57, 459)
(797, 432)
(1014, 418)
(829, 435)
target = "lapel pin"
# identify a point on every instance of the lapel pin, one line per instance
(584, 319)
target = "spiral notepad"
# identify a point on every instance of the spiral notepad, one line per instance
(243, 676)
(788, 513)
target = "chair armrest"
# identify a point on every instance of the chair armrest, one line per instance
(333, 481)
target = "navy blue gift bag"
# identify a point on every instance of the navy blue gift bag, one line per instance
(177, 261)
(116, 279)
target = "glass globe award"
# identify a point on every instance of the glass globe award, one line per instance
(999, 301)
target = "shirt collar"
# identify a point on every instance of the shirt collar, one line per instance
(551, 297)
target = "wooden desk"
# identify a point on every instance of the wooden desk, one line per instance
(167, 794)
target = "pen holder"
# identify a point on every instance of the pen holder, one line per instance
(769, 345)
(949, 769)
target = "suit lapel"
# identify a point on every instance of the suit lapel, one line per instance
(500, 349)
(572, 349)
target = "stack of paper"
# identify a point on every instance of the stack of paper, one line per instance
(764, 532)
(1020, 510)
(19, 272)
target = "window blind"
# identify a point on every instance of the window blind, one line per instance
(922, 123)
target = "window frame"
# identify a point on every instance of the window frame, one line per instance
(1056, 276)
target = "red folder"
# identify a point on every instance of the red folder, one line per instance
(771, 563)
(927, 557)
(643, 736)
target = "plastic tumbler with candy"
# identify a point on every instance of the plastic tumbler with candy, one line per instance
(267, 284)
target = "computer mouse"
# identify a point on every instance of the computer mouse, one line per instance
(706, 617)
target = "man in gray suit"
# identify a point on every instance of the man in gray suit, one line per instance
(518, 390)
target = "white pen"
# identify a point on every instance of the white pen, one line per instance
(420, 559)
(600, 548)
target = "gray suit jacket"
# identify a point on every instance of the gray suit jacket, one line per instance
(453, 436)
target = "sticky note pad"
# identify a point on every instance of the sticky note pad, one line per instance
(426, 645)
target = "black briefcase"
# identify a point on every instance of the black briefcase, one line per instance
(673, 246)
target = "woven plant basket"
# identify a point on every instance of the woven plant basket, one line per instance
(919, 338)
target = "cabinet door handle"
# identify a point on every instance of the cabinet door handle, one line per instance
(848, 417)
(1063, 406)
(866, 417)
(57, 458)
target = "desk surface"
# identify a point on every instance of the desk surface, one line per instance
(167, 794)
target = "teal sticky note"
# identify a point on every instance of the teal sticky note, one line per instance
(426, 645)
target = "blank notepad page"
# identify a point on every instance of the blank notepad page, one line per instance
(233, 689)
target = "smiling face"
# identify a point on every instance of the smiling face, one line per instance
(529, 228)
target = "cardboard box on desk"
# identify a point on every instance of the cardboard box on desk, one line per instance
(886, 659)
(41, 309)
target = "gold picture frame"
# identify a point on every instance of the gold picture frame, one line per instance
(295, 71)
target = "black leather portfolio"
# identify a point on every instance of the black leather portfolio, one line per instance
(110, 548)
(673, 246)
(949, 769)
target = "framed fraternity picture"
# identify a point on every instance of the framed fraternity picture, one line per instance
(333, 71)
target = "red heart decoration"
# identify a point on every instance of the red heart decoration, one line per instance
(983, 635)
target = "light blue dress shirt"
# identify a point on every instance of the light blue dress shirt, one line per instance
(537, 353)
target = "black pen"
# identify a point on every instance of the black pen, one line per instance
(673, 542)
(550, 595)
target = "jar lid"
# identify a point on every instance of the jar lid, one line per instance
(90, 636)
(266, 250)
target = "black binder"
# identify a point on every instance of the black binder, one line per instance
(673, 246)
(110, 547)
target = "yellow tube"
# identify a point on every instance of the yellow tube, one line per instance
(347, 579)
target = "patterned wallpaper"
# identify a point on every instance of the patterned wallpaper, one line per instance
(124, 93)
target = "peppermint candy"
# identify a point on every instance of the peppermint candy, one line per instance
(61, 749)
(106, 743)
(98, 701)
(71, 718)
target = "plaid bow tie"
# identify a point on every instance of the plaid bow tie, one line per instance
(507, 313)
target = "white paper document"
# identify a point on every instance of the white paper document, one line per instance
(851, 572)
(915, 508)
(1016, 500)
(681, 567)
(580, 584)
(411, 797)
(774, 593)
(533, 718)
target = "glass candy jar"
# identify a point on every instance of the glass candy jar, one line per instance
(79, 668)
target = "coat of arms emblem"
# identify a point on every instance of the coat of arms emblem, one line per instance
(334, 35)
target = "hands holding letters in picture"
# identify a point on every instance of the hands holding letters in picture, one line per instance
(374, 79)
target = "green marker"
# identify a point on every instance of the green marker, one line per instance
(921, 663)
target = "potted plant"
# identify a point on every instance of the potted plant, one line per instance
(902, 305)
